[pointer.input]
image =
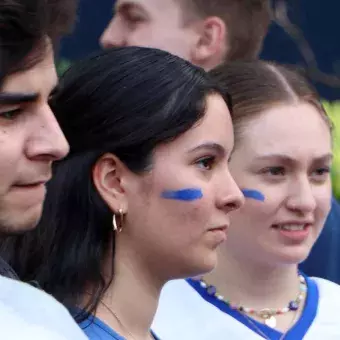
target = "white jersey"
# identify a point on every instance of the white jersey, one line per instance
(30, 314)
(187, 312)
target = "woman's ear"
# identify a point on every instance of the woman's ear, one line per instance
(107, 177)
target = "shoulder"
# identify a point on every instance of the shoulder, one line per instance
(329, 301)
(328, 290)
(325, 285)
(178, 295)
(15, 327)
(327, 320)
(175, 287)
(179, 304)
(182, 305)
(25, 299)
(30, 308)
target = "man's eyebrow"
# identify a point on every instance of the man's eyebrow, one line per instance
(12, 98)
(127, 6)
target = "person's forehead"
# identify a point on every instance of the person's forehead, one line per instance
(290, 130)
(152, 6)
(38, 79)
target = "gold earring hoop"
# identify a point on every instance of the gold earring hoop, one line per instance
(114, 221)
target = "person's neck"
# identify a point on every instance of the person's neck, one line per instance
(248, 283)
(132, 297)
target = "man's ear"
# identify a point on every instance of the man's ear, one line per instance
(107, 174)
(210, 48)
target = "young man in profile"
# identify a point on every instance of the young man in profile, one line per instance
(207, 33)
(30, 140)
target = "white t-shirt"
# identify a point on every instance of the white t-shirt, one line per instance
(29, 313)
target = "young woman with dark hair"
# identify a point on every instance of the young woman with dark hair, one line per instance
(138, 201)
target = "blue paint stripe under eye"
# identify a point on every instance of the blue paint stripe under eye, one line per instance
(254, 194)
(190, 194)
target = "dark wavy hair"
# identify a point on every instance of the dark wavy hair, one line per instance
(125, 101)
(25, 26)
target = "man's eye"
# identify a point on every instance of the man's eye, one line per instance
(10, 114)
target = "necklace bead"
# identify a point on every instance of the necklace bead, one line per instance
(293, 305)
(268, 314)
(211, 290)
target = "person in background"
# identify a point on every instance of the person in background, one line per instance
(281, 161)
(207, 33)
(210, 33)
(30, 140)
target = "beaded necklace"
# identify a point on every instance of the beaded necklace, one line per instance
(267, 314)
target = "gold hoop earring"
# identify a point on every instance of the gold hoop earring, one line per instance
(114, 221)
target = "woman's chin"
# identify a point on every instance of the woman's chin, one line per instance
(294, 255)
(203, 264)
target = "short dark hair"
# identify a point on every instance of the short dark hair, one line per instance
(25, 26)
(124, 101)
(247, 23)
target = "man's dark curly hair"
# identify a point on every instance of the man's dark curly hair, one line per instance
(26, 26)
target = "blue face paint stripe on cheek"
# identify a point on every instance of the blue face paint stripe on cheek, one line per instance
(188, 195)
(254, 194)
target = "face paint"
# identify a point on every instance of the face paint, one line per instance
(253, 194)
(190, 194)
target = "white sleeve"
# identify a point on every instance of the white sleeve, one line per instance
(29, 313)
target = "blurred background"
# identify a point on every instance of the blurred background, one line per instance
(305, 33)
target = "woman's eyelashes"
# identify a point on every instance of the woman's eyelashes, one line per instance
(274, 171)
(279, 172)
(321, 174)
(206, 163)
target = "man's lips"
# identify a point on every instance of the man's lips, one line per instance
(32, 183)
